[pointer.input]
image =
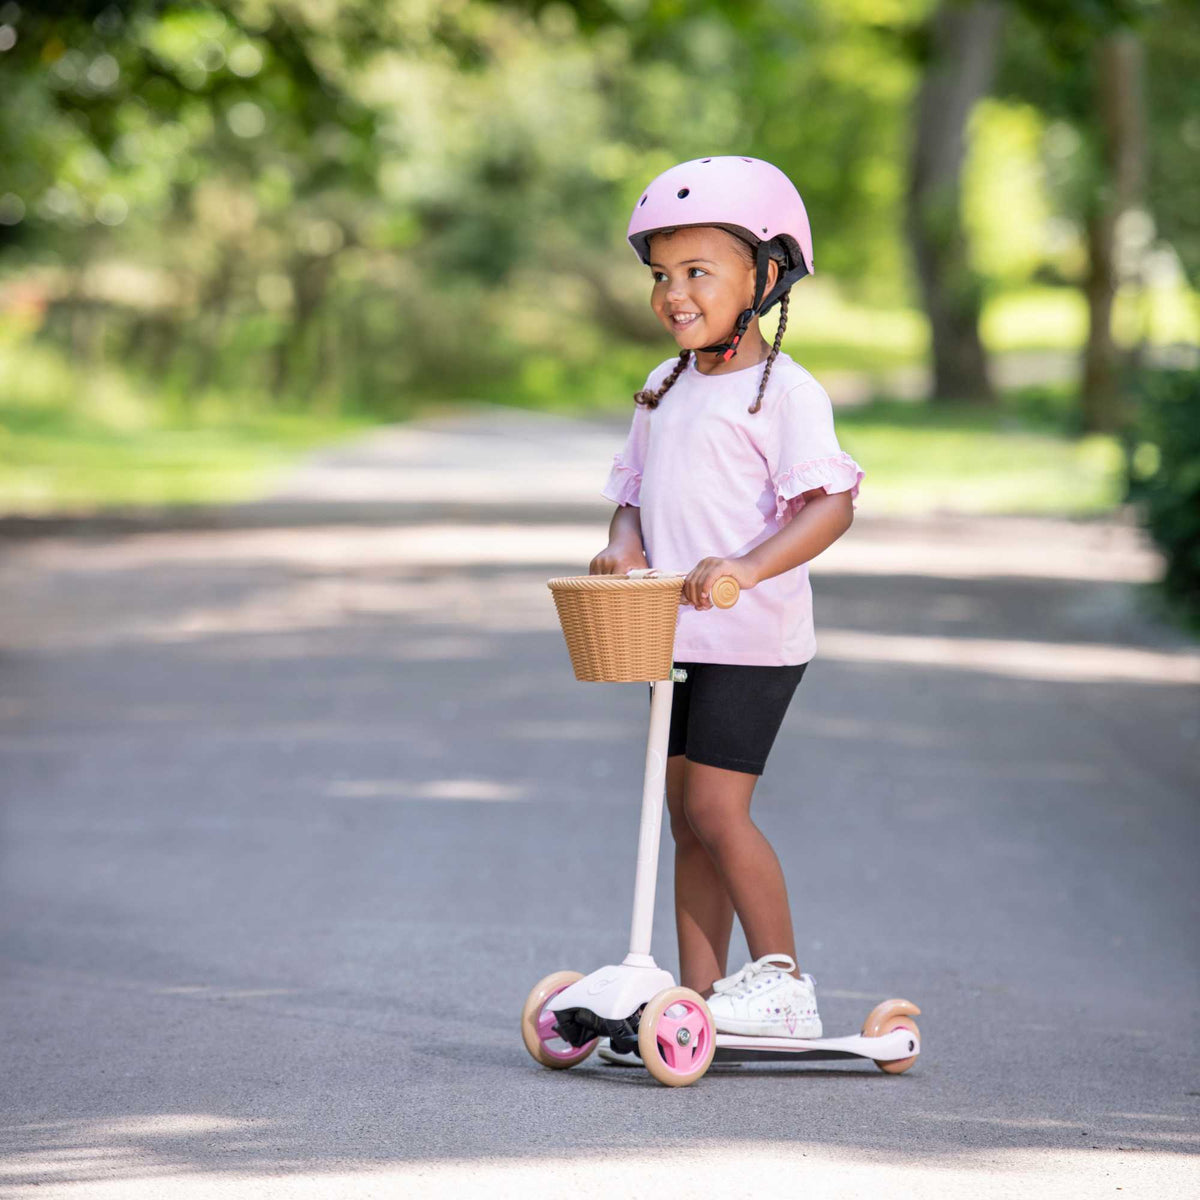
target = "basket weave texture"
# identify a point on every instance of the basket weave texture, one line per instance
(618, 630)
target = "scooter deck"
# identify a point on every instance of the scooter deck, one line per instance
(736, 1047)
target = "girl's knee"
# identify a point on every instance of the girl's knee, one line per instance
(712, 822)
(681, 828)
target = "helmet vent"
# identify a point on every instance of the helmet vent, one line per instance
(682, 192)
(747, 160)
(643, 199)
(706, 160)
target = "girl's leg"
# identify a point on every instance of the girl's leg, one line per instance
(703, 909)
(717, 808)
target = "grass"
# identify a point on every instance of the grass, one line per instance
(1013, 459)
(76, 466)
(71, 442)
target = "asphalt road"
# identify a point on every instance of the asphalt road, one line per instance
(301, 798)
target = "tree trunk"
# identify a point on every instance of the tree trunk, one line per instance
(962, 56)
(1121, 123)
(309, 276)
(214, 303)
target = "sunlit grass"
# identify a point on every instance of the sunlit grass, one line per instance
(78, 441)
(85, 468)
(919, 458)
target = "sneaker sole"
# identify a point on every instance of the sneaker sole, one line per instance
(620, 1060)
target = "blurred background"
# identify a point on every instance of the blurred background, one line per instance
(232, 231)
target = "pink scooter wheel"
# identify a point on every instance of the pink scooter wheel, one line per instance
(676, 1037)
(537, 1024)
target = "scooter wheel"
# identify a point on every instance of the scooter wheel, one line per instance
(676, 1037)
(887, 1017)
(537, 1025)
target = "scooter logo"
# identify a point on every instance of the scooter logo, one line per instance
(601, 983)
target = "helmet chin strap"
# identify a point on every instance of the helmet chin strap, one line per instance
(728, 349)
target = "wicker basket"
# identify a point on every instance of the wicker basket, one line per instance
(618, 630)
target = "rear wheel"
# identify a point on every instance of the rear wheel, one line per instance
(887, 1017)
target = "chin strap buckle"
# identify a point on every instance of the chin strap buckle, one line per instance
(744, 319)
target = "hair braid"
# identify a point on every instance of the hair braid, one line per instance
(762, 385)
(650, 399)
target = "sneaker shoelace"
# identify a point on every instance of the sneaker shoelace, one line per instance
(741, 983)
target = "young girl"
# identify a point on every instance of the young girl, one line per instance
(731, 467)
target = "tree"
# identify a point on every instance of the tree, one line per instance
(1120, 133)
(1081, 65)
(960, 53)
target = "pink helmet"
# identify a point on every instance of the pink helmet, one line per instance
(747, 196)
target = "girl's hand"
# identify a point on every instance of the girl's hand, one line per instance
(698, 584)
(618, 557)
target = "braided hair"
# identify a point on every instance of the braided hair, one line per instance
(770, 360)
(650, 398)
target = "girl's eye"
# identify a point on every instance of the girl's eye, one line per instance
(658, 276)
(700, 270)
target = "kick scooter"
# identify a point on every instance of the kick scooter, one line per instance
(622, 629)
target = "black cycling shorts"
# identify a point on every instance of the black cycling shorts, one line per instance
(727, 715)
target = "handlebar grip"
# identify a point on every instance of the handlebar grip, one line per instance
(725, 592)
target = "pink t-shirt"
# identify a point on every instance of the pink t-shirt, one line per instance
(714, 480)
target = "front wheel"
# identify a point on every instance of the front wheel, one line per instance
(676, 1037)
(538, 1030)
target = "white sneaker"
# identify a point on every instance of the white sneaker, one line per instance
(763, 999)
(606, 1052)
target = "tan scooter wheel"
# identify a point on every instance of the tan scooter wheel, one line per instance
(676, 1037)
(537, 1026)
(885, 1017)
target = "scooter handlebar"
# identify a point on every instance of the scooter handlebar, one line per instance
(724, 593)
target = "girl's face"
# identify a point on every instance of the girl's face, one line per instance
(703, 279)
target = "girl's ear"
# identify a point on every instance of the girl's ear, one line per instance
(772, 274)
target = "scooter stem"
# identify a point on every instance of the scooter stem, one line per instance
(652, 805)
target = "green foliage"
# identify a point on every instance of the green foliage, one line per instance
(1048, 62)
(1162, 475)
(82, 441)
(1173, 100)
(359, 206)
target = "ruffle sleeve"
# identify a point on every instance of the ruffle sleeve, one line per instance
(835, 473)
(624, 484)
(802, 450)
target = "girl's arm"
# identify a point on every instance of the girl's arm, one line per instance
(625, 549)
(822, 520)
